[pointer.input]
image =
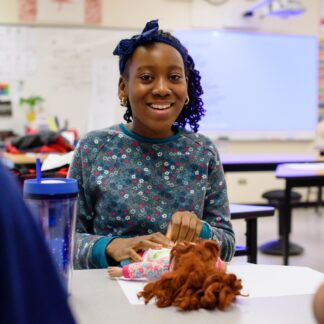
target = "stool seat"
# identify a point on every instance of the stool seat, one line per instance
(278, 196)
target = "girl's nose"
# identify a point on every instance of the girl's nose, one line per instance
(161, 87)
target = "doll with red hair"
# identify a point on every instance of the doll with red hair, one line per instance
(155, 262)
(194, 277)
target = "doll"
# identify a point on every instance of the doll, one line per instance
(192, 277)
(154, 263)
(193, 281)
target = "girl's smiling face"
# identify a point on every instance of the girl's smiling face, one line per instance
(155, 85)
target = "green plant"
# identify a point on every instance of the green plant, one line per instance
(31, 101)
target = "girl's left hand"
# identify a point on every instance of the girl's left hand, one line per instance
(184, 226)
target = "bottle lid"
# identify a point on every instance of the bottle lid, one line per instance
(51, 186)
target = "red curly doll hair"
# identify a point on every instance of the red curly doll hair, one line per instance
(194, 281)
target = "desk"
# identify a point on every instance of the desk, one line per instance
(262, 162)
(97, 299)
(297, 175)
(268, 162)
(251, 214)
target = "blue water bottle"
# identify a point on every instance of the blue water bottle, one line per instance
(53, 204)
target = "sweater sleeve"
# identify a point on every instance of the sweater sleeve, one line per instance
(216, 217)
(146, 269)
(89, 249)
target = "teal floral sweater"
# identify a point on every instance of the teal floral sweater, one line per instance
(131, 185)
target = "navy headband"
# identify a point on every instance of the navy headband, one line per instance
(150, 34)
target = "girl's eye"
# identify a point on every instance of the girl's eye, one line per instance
(175, 77)
(146, 77)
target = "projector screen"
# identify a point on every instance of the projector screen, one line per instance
(256, 86)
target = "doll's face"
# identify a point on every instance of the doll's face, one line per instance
(156, 88)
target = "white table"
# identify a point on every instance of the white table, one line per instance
(97, 299)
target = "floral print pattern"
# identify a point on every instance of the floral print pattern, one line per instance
(129, 186)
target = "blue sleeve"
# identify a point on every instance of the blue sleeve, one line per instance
(99, 256)
(89, 249)
(216, 210)
(205, 232)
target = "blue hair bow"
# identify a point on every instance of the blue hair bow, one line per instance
(127, 46)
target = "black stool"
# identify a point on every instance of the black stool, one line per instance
(276, 199)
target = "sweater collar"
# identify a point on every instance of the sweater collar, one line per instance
(139, 138)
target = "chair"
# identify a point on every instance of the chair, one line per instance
(276, 199)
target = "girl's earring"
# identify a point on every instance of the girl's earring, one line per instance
(123, 102)
(187, 101)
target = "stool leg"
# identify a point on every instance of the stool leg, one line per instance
(286, 221)
(251, 239)
(319, 199)
(276, 247)
(283, 221)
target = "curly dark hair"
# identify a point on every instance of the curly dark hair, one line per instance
(194, 110)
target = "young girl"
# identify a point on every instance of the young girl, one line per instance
(150, 181)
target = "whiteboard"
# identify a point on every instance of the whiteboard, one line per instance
(256, 86)
(72, 68)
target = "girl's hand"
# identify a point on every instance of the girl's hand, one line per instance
(127, 248)
(184, 226)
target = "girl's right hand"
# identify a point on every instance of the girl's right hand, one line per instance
(127, 248)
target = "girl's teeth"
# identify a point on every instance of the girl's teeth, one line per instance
(160, 107)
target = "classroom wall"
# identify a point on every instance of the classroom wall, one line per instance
(201, 14)
(190, 14)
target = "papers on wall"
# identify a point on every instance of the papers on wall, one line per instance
(58, 64)
(17, 54)
(322, 15)
(61, 11)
